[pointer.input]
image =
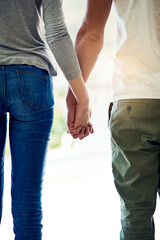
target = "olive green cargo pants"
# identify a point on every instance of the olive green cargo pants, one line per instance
(135, 140)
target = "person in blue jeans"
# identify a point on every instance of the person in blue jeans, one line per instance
(31, 33)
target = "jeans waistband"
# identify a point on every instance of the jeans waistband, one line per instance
(16, 66)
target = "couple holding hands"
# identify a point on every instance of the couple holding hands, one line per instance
(30, 32)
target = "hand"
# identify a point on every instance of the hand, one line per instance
(84, 132)
(78, 117)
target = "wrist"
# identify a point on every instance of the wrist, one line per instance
(70, 98)
(78, 92)
(84, 100)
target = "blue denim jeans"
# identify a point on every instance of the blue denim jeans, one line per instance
(26, 93)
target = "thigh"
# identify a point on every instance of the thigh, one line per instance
(135, 145)
(30, 104)
(31, 119)
(135, 161)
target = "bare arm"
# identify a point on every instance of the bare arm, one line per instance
(89, 41)
(60, 43)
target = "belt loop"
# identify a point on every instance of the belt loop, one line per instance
(109, 110)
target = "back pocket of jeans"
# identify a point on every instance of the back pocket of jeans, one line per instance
(33, 85)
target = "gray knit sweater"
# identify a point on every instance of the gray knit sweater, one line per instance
(32, 31)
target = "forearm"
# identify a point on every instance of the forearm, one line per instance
(77, 92)
(89, 41)
(88, 46)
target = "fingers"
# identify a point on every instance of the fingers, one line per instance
(73, 131)
(91, 129)
(86, 133)
(83, 133)
(78, 118)
(79, 134)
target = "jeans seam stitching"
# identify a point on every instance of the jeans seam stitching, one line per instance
(30, 73)
(3, 82)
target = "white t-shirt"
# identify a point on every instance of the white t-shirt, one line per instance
(137, 50)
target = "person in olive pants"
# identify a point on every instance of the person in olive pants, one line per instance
(135, 160)
(135, 110)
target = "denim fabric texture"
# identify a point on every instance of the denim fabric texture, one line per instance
(26, 93)
(135, 137)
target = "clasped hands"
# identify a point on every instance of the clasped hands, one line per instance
(78, 117)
